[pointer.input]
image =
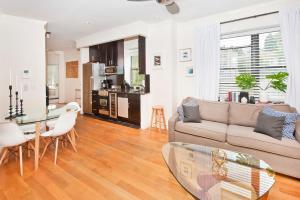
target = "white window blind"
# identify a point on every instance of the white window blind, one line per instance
(259, 54)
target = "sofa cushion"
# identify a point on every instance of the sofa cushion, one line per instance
(206, 129)
(246, 137)
(214, 111)
(270, 125)
(246, 114)
(191, 113)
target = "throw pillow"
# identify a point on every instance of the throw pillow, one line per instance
(189, 102)
(289, 123)
(191, 113)
(270, 125)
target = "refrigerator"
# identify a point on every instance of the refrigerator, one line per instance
(91, 81)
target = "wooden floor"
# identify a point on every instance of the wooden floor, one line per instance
(113, 162)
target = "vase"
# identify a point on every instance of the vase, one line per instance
(263, 97)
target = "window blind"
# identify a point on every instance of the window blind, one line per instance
(259, 54)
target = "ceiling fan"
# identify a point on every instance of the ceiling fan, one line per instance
(171, 5)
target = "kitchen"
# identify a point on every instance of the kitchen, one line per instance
(115, 81)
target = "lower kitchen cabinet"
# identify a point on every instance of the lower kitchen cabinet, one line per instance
(95, 102)
(134, 109)
(129, 108)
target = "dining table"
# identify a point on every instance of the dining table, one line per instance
(36, 118)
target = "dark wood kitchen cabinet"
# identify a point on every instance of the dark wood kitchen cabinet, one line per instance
(105, 53)
(134, 109)
(102, 53)
(95, 102)
(112, 54)
(94, 53)
(142, 55)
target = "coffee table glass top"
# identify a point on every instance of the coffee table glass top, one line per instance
(212, 173)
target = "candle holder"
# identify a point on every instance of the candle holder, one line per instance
(17, 104)
(10, 108)
(21, 108)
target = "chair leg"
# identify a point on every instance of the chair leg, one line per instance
(73, 136)
(159, 119)
(164, 120)
(72, 144)
(45, 148)
(56, 149)
(152, 118)
(4, 154)
(75, 132)
(21, 160)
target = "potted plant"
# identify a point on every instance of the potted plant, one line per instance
(277, 82)
(246, 82)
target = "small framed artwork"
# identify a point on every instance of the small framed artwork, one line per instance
(189, 71)
(157, 61)
(185, 55)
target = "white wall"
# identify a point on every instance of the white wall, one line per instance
(71, 83)
(22, 46)
(160, 38)
(170, 85)
(84, 58)
(186, 35)
(121, 32)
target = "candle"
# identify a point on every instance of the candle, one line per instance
(9, 76)
(21, 91)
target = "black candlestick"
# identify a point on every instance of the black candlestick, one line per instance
(10, 103)
(21, 108)
(17, 104)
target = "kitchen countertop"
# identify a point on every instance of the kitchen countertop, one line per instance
(126, 92)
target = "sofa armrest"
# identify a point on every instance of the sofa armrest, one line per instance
(297, 132)
(171, 124)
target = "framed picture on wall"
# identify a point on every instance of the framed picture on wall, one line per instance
(157, 61)
(189, 71)
(185, 55)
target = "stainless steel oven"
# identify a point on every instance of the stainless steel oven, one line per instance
(103, 102)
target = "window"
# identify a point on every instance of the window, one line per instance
(259, 54)
(136, 77)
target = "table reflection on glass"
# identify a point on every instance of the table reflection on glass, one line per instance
(213, 173)
(37, 119)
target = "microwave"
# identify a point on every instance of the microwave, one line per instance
(110, 70)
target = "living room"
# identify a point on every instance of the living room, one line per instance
(177, 83)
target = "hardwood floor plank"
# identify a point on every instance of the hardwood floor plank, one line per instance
(113, 162)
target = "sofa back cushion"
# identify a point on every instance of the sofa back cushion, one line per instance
(214, 111)
(246, 114)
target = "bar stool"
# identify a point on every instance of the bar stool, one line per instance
(158, 117)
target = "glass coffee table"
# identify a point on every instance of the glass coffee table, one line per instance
(213, 173)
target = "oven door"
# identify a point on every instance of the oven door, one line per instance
(103, 103)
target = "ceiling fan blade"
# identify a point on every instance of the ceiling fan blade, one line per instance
(139, 0)
(173, 8)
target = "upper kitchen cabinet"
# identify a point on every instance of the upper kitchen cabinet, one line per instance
(112, 53)
(106, 53)
(102, 52)
(94, 53)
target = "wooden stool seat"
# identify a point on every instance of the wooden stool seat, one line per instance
(158, 117)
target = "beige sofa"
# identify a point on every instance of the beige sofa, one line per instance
(231, 126)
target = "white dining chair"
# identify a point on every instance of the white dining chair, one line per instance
(73, 106)
(11, 138)
(63, 128)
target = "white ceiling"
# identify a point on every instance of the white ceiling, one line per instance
(67, 19)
